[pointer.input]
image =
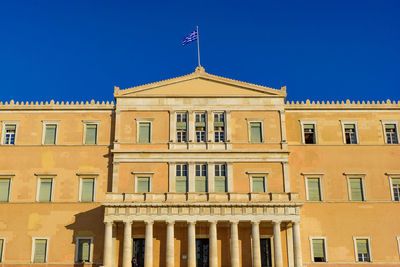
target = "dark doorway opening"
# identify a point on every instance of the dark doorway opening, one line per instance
(138, 252)
(266, 255)
(202, 250)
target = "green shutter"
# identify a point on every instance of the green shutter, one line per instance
(143, 185)
(349, 126)
(396, 181)
(45, 190)
(84, 250)
(258, 185)
(356, 189)
(181, 125)
(91, 134)
(314, 193)
(309, 126)
(144, 132)
(390, 126)
(181, 184)
(318, 248)
(1, 249)
(220, 184)
(201, 184)
(11, 127)
(255, 132)
(40, 251)
(4, 189)
(87, 190)
(50, 134)
(362, 246)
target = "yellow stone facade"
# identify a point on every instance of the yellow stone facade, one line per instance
(252, 181)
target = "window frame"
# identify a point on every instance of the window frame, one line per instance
(398, 244)
(313, 122)
(355, 238)
(318, 176)
(258, 174)
(39, 177)
(91, 249)
(311, 238)
(3, 249)
(140, 175)
(8, 176)
(207, 176)
(343, 123)
(3, 131)
(220, 164)
(356, 176)
(396, 123)
(175, 170)
(33, 249)
(87, 176)
(186, 114)
(261, 121)
(138, 121)
(392, 176)
(224, 132)
(87, 122)
(50, 122)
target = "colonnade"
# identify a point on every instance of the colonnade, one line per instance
(213, 254)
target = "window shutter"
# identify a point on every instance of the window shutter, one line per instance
(181, 184)
(144, 132)
(396, 181)
(349, 126)
(45, 190)
(40, 251)
(255, 132)
(10, 127)
(91, 134)
(1, 249)
(143, 184)
(356, 189)
(201, 184)
(87, 190)
(4, 189)
(84, 250)
(308, 126)
(50, 134)
(314, 193)
(258, 185)
(220, 184)
(362, 246)
(318, 248)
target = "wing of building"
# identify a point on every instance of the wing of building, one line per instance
(199, 170)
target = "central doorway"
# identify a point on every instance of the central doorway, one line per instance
(202, 249)
(266, 255)
(138, 252)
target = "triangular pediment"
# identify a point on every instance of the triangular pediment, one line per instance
(200, 84)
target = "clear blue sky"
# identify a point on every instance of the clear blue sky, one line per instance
(78, 50)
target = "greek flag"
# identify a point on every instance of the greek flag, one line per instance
(190, 38)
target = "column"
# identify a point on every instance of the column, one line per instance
(286, 177)
(191, 175)
(213, 244)
(148, 250)
(191, 244)
(170, 260)
(277, 244)
(234, 244)
(191, 128)
(107, 254)
(172, 125)
(127, 250)
(255, 237)
(297, 244)
(210, 126)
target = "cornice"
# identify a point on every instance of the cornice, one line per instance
(342, 105)
(56, 105)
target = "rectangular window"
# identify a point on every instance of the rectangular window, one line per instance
(181, 185)
(84, 250)
(1, 249)
(40, 251)
(219, 127)
(9, 134)
(87, 189)
(5, 189)
(309, 134)
(50, 134)
(318, 249)
(356, 189)
(255, 132)
(143, 185)
(350, 133)
(363, 253)
(181, 127)
(45, 189)
(91, 134)
(201, 178)
(391, 134)
(396, 189)
(144, 132)
(200, 127)
(220, 178)
(313, 189)
(258, 184)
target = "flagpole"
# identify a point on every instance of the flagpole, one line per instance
(198, 45)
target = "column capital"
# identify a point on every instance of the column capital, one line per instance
(234, 221)
(108, 221)
(213, 222)
(256, 222)
(149, 222)
(277, 221)
(295, 222)
(191, 222)
(170, 222)
(127, 221)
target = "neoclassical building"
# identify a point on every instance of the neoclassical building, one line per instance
(200, 170)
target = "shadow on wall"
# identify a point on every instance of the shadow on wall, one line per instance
(90, 224)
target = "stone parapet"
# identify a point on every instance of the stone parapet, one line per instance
(16, 105)
(388, 104)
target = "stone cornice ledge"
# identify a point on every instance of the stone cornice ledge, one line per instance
(307, 105)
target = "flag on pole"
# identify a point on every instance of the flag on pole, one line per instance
(190, 38)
